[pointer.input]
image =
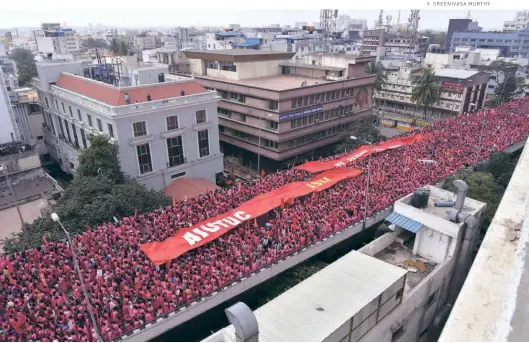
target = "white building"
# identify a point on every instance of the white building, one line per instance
(164, 130)
(222, 40)
(8, 128)
(52, 39)
(392, 290)
(520, 22)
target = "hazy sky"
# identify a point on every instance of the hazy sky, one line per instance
(130, 16)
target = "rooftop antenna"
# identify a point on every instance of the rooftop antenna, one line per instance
(380, 20)
(328, 26)
(388, 22)
(398, 18)
(468, 15)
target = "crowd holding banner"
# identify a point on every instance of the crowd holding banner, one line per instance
(41, 298)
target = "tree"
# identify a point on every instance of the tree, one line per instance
(98, 193)
(427, 90)
(100, 158)
(380, 79)
(504, 75)
(25, 62)
(364, 129)
(114, 47)
(123, 50)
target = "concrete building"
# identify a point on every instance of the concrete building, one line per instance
(164, 131)
(29, 118)
(457, 25)
(461, 88)
(394, 44)
(511, 44)
(392, 290)
(275, 111)
(492, 305)
(520, 22)
(144, 41)
(8, 126)
(223, 40)
(53, 39)
(372, 40)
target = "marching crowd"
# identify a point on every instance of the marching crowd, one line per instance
(41, 298)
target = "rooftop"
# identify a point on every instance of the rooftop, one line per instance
(115, 96)
(310, 66)
(400, 254)
(455, 73)
(238, 55)
(275, 83)
(311, 311)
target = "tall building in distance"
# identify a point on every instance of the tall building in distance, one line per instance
(54, 39)
(459, 25)
(164, 130)
(520, 22)
(273, 111)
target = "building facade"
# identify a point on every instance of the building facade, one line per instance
(463, 91)
(164, 131)
(520, 22)
(510, 44)
(274, 112)
(53, 39)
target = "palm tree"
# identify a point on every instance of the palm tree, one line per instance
(380, 79)
(427, 90)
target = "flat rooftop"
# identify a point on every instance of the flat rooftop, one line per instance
(400, 254)
(318, 306)
(238, 55)
(274, 83)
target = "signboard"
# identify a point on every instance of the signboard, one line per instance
(300, 113)
(452, 87)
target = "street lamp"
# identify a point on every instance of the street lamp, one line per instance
(368, 177)
(259, 144)
(55, 218)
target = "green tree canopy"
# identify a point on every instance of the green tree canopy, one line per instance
(364, 129)
(426, 90)
(98, 193)
(25, 62)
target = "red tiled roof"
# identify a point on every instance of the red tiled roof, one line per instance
(190, 187)
(116, 96)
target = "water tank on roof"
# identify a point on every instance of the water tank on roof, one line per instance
(420, 198)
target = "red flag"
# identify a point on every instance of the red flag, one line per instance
(10, 271)
(255, 222)
(42, 278)
(137, 286)
(282, 203)
(174, 202)
(263, 172)
(295, 224)
(241, 187)
(44, 239)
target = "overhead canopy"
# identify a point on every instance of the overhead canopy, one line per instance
(181, 188)
(404, 222)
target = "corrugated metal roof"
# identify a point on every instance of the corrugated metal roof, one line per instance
(315, 308)
(404, 222)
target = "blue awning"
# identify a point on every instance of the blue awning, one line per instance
(404, 222)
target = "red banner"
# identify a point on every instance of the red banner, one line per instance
(211, 229)
(364, 150)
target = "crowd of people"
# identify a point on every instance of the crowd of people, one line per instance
(41, 296)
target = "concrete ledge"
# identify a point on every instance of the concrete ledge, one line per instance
(492, 305)
(180, 316)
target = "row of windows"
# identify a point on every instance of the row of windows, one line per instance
(321, 97)
(64, 126)
(317, 135)
(321, 116)
(491, 40)
(269, 124)
(175, 152)
(139, 128)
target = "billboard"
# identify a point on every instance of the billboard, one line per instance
(300, 113)
(452, 87)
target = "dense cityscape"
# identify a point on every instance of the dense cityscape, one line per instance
(334, 180)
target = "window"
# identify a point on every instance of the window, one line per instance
(177, 175)
(79, 115)
(99, 124)
(83, 138)
(62, 127)
(139, 128)
(273, 105)
(294, 103)
(172, 123)
(201, 116)
(203, 143)
(70, 110)
(273, 125)
(397, 333)
(175, 151)
(431, 299)
(75, 136)
(398, 295)
(110, 130)
(89, 118)
(243, 117)
(63, 109)
(47, 103)
(56, 104)
(67, 131)
(40, 137)
(144, 158)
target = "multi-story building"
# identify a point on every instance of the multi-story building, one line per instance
(52, 39)
(144, 41)
(520, 22)
(164, 131)
(405, 45)
(223, 40)
(511, 44)
(458, 25)
(372, 39)
(275, 111)
(8, 127)
(29, 118)
(463, 91)
(401, 287)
